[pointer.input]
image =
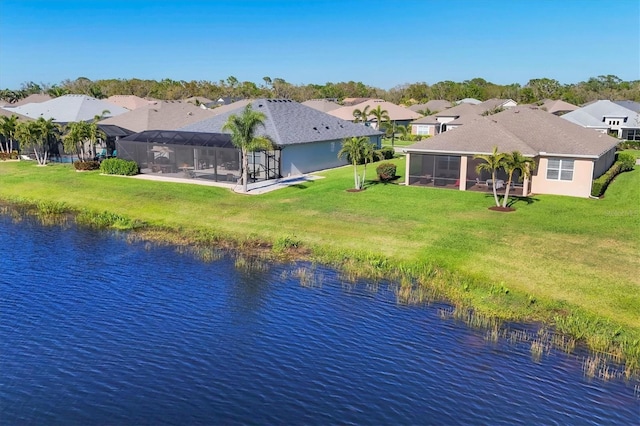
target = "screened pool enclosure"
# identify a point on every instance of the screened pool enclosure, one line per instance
(458, 172)
(194, 155)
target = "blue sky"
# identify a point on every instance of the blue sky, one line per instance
(381, 43)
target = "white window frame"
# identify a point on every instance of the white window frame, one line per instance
(564, 167)
(423, 130)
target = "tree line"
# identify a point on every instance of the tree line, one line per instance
(535, 90)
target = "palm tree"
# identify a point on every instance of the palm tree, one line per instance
(492, 162)
(390, 129)
(39, 134)
(381, 115)
(369, 155)
(512, 162)
(8, 131)
(354, 149)
(243, 130)
(46, 136)
(361, 115)
(404, 132)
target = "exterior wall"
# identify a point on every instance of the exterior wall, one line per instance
(423, 129)
(310, 157)
(603, 163)
(579, 186)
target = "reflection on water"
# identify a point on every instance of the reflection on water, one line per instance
(94, 330)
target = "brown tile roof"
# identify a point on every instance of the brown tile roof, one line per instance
(435, 105)
(552, 106)
(163, 115)
(460, 110)
(129, 102)
(32, 99)
(396, 112)
(321, 105)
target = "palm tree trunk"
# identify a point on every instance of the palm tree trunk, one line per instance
(506, 191)
(245, 171)
(495, 191)
(356, 178)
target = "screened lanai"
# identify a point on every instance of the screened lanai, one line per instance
(457, 172)
(195, 155)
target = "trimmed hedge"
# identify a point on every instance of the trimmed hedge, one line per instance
(86, 165)
(629, 145)
(624, 162)
(386, 171)
(118, 166)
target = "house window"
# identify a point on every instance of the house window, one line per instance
(422, 130)
(560, 169)
(633, 135)
(333, 147)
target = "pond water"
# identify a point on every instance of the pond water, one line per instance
(96, 330)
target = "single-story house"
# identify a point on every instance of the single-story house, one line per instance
(161, 115)
(472, 101)
(129, 102)
(494, 104)
(568, 157)
(68, 108)
(608, 117)
(557, 107)
(400, 115)
(324, 105)
(31, 99)
(440, 122)
(305, 139)
(434, 106)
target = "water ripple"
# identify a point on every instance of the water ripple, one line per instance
(104, 332)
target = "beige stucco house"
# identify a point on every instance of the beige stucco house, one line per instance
(568, 157)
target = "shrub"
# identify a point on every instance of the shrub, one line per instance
(624, 162)
(86, 165)
(627, 161)
(4, 156)
(118, 166)
(386, 171)
(386, 153)
(629, 145)
(14, 155)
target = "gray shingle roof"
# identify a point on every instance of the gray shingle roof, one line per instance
(528, 130)
(594, 112)
(633, 106)
(288, 122)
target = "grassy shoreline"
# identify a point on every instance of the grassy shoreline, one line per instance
(566, 262)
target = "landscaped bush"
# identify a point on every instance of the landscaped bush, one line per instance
(118, 166)
(386, 153)
(624, 162)
(627, 159)
(86, 165)
(386, 171)
(629, 145)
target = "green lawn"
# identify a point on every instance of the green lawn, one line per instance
(397, 142)
(570, 254)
